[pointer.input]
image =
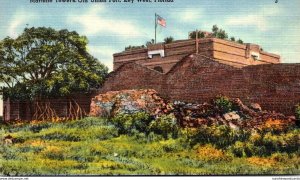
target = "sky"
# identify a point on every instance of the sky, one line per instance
(110, 26)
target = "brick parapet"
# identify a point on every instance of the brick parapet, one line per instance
(225, 51)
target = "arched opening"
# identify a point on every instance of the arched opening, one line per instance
(159, 69)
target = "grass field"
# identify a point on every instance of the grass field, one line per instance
(93, 146)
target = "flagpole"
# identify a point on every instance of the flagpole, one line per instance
(155, 29)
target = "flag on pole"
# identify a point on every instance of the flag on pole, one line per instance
(161, 21)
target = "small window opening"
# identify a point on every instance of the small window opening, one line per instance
(159, 69)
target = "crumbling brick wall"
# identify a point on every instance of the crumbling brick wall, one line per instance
(197, 78)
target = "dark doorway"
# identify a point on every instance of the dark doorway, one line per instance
(159, 69)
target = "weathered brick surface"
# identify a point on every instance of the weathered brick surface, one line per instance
(133, 76)
(197, 78)
(25, 110)
(227, 52)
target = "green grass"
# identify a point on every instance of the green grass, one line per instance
(93, 146)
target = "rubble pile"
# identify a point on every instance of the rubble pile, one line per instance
(128, 102)
(194, 115)
(187, 114)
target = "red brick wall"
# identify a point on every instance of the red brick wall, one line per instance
(25, 110)
(227, 52)
(199, 79)
(133, 76)
(195, 78)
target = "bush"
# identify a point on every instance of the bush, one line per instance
(209, 153)
(128, 123)
(60, 136)
(220, 136)
(53, 152)
(238, 149)
(87, 122)
(165, 125)
(223, 104)
(37, 128)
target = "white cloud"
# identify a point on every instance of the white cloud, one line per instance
(102, 50)
(104, 54)
(179, 34)
(93, 23)
(18, 22)
(250, 20)
(259, 19)
(189, 15)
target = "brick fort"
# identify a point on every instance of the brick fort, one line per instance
(193, 71)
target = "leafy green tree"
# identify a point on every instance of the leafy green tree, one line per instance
(168, 40)
(43, 62)
(240, 41)
(148, 43)
(219, 33)
(128, 48)
(192, 35)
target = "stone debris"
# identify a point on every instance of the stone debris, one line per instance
(231, 116)
(187, 114)
(8, 140)
(128, 102)
(256, 107)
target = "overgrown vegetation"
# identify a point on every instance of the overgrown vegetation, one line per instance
(167, 40)
(216, 33)
(223, 104)
(142, 144)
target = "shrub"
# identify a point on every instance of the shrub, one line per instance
(238, 149)
(210, 153)
(275, 126)
(8, 152)
(280, 157)
(126, 123)
(53, 152)
(165, 125)
(220, 136)
(223, 104)
(60, 136)
(152, 137)
(265, 162)
(87, 122)
(97, 132)
(37, 128)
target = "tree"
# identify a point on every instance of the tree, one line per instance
(168, 40)
(43, 62)
(128, 48)
(148, 43)
(240, 41)
(192, 35)
(219, 33)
